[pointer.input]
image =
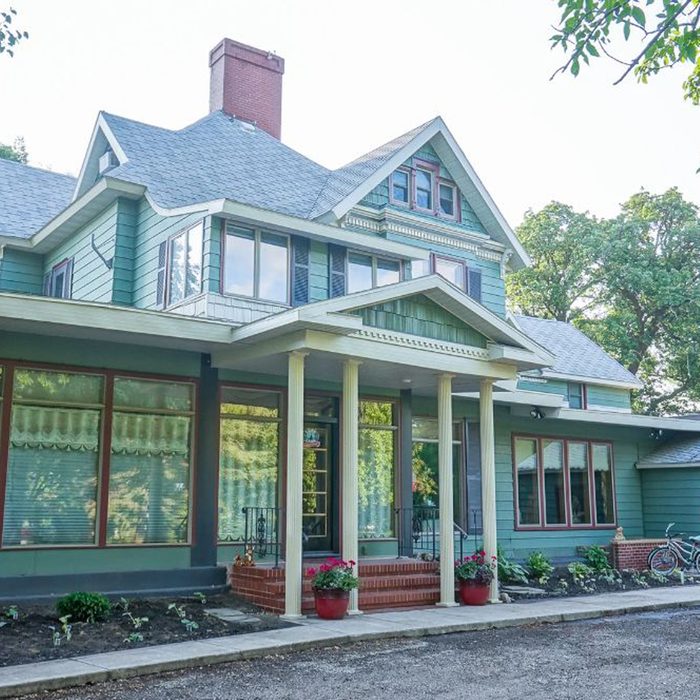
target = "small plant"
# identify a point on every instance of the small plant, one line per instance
(179, 610)
(540, 567)
(134, 638)
(597, 559)
(84, 607)
(122, 604)
(65, 632)
(335, 574)
(563, 586)
(11, 612)
(476, 568)
(137, 622)
(639, 579)
(201, 597)
(583, 575)
(509, 571)
(656, 577)
(190, 625)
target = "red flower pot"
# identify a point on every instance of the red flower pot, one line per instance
(474, 592)
(331, 603)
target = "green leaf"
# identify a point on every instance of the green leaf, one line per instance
(639, 15)
(575, 67)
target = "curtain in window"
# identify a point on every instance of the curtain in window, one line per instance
(52, 476)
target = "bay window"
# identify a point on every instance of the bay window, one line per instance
(185, 263)
(563, 483)
(368, 271)
(256, 264)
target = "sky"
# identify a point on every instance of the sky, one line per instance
(359, 73)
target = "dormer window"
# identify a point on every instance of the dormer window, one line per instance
(424, 189)
(59, 281)
(400, 186)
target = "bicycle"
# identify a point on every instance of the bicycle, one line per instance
(665, 559)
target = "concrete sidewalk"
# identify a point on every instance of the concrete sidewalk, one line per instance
(311, 632)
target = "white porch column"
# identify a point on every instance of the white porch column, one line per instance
(295, 450)
(488, 477)
(447, 541)
(349, 469)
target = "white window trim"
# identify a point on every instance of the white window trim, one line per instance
(375, 259)
(169, 264)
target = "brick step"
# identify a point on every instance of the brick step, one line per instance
(379, 600)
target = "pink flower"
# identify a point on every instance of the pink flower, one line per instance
(352, 563)
(311, 572)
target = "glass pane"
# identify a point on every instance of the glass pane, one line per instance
(248, 467)
(57, 387)
(195, 242)
(152, 394)
(239, 263)
(427, 429)
(554, 498)
(447, 200)
(388, 272)
(424, 189)
(58, 281)
(575, 395)
(451, 270)
(149, 479)
(425, 475)
(52, 470)
(359, 272)
(419, 268)
(376, 485)
(178, 268)
(578, 486)
(528, 492)
(274, 268)
(250, 402)
(377, 413)
(320, 406)
(399, 185)
(602, 470)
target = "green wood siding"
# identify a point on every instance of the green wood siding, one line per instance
(21, 271)
(318, 271)
(212, 263)
(419, 315)
(123, 264)
(151, 230)
(671, 496)
(608, 396)
(550, 386)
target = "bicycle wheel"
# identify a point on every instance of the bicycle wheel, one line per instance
(663, 560)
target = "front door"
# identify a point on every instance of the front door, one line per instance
(319, 502)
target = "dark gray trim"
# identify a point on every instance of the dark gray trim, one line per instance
(203, 552)
(114, 583)
(406, 463)
(473, 479)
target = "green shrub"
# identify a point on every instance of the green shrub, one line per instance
(580, 572)
(540, 566)
(83, 607)
(597, 558)
(509, 571)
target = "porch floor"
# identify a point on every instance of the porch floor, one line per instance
(386, 583)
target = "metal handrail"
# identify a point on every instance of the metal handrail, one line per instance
(418, 530)
(262, 531)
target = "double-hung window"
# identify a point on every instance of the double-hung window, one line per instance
(420, 187)
(562, 483)
(424, 189)
(185, 263)
(447, 200)
(576, 394)
(452, 270)
(58, 283)
(401, 187)
(256, 264)
(367, 271)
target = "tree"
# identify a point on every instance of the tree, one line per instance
(16, 152)
(644, 303)
(562, 280)
(9, 36)
(661, 34)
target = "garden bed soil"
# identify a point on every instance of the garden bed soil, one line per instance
(562, 584)
(30, 638)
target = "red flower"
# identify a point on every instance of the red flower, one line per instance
(352, 563)
(311, 572)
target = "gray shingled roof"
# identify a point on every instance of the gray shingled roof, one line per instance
(674, 453)
(576, 353)
(30, 197)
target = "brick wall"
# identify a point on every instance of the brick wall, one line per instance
(632, 554)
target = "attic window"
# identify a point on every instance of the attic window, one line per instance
(400, 186)
(424, 189)
(421, 188)
(447, 195)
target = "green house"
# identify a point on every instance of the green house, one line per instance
(212, 346)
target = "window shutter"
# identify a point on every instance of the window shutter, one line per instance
(474, 289)
(300, 271)
(160, 284)
(46, 285)
(336, 271)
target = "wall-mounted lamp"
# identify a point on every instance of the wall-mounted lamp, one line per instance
(656, 434)
(536, 413)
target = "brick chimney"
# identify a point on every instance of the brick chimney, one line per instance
(247, 83)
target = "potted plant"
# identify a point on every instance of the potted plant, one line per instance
(331, 584)
(475, 574)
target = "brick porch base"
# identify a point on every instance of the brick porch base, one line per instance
(632, 554)
(385, 583)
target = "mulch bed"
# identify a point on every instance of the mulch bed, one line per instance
(562, 584)
(30, 638)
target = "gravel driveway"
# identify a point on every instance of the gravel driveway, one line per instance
(648, 655)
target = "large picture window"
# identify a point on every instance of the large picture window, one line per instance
(256, 264)
(563, 483)
(185, 263)
(150, 462)
(376, 466)
(53, 459)
(249, 456)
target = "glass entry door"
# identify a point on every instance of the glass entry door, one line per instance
(318, 487)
